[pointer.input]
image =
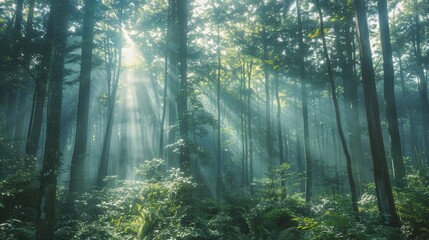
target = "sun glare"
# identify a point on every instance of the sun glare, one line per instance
(131, 54)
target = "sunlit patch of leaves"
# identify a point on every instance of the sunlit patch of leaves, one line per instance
(152, 170)
(196, 151)
(278, 184)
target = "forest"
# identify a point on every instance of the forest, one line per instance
(211, 120)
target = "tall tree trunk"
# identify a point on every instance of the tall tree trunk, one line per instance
(338, 118)
(13, 88)
(29, 32)
(308, 160)
(389, 95)
(165, 99)
(173, 79)
(280, 130)
(279, 122)
(414, 148)
(219, 142)
(21, 115)
(23, 109)
(104, 159)
(383, 187)
(423, 87)
(182, 103)
(113, 76)
(39, 96)
(36, 119)
(268, 140)
(45, 216)
(249, 125)
(77, 167)
(350, 84)
(243, 142)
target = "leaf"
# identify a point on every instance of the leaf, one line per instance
(314, 34)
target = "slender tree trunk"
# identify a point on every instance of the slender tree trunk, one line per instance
(269, 147)
(384, 194)
(351, 102)
(338, 119)
(23, 110)
(77, 168)
(182, 103)
(218, 145)
(22, 115)
(249, 125)
(39, 97)
(165, 100)
(173, 78)
(15, 51)
(414, 148)
(279, 130)
(35, 126)
(29, 32)
(243, 142)
(389, 95)
(279, 122)
(11, 113)
(164, 108)
(308, 160)
(45, 216)
(423, 87)
(113, 74)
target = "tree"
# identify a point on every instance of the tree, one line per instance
(282, 159)
(40, 90)
(15, 52)
(384, 194)
(113, 62)
(308, 159)
(423, 85)
(173, 77)
(182, 100)
(77, 169)
(45, 216)
(269, 132)
(25, 81)
(346, 60)
(166, 77)
(338, 116)
(389, 94)
(219, 142)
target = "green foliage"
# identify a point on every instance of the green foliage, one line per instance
(157, 208)
(151, 170)
(334, 220)
(18, 193)
(16, 229)
(18, 183)
(164, 206)
(96, 231)
(197, 152)
(267, 221)
(413, 205)
(278, 184)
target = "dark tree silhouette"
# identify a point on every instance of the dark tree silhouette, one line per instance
(45, 217)
(383, 187)
(77, 169)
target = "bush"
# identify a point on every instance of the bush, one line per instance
(19, 193)
(16, 229)
(413, 205)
